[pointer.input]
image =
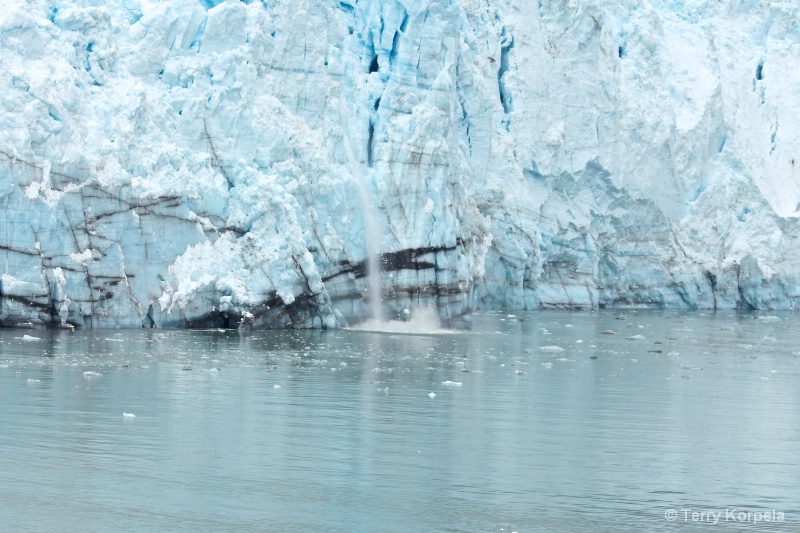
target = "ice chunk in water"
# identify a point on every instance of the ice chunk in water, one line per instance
(552, 349)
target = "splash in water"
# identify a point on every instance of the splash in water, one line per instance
(423, 321)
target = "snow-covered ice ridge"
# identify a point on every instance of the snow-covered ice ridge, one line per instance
(182, 163)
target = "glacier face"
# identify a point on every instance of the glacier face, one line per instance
(198, 163)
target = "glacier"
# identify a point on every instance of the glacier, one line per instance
(197, 163)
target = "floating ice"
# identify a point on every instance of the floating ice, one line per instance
(431, 395)
(551, 349)
(637, 338)
(128, 415)
(452, 383)
(30, 338)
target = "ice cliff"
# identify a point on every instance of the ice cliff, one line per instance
(198, 163)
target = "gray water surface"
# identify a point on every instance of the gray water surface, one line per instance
(335, 431)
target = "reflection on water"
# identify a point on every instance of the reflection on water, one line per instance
(557, 426)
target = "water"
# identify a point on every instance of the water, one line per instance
(534, 438)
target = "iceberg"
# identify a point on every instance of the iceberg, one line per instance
(197, 163)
